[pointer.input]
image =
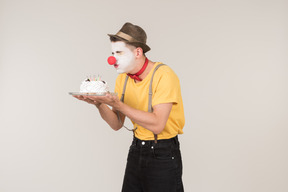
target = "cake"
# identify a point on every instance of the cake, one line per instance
(94, 85)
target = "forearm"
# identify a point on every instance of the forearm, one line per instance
(154, 121)
(109, 116)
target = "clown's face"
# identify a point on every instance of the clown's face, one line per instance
(125, 57)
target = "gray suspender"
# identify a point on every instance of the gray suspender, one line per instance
(150, 89)
(150, 109)
(124, 88)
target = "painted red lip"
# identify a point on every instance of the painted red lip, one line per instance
(116, 66)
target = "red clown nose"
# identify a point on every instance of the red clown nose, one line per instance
(111, 60)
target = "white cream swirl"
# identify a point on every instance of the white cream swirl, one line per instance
(94, 87)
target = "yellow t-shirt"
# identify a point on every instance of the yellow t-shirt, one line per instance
(165, 89)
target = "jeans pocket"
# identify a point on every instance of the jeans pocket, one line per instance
(162, 152)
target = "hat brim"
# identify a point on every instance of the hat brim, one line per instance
(145, 47)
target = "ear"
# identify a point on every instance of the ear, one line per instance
(139, 52)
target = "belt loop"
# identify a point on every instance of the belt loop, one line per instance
(134, 141)
(155, 138)
(175, 140)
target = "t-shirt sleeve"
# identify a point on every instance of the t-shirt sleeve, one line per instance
(166, 88)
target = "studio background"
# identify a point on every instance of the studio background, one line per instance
(231, 59)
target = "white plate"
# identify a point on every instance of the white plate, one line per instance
(91, 94)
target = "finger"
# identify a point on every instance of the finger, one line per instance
(87, 99)
(77, 97)
(112, 97)
(98, 99)
(92, 97)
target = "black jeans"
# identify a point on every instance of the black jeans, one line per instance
(153, 167)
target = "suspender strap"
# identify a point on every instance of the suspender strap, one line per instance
(150, 89)
(150, 109)
(124, 88)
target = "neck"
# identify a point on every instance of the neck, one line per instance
(143, 71)
(147, 70)
(139, 65)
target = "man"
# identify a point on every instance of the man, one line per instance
(154, 161)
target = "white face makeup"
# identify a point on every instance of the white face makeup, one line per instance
(124, 56)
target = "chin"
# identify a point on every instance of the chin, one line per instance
(120, 71)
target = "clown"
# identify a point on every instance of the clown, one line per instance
(149, 95)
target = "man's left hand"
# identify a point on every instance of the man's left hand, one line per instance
(111, 100)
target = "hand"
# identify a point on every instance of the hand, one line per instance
(108, 99)
(111, 100)
(88, 100)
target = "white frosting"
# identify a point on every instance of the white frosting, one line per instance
(94, 87)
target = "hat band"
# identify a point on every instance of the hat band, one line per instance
(126, 36)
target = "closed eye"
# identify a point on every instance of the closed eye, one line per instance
(119, 52)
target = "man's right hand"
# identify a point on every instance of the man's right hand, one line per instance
(86, 99)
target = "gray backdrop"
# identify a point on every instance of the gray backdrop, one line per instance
(230, 56)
